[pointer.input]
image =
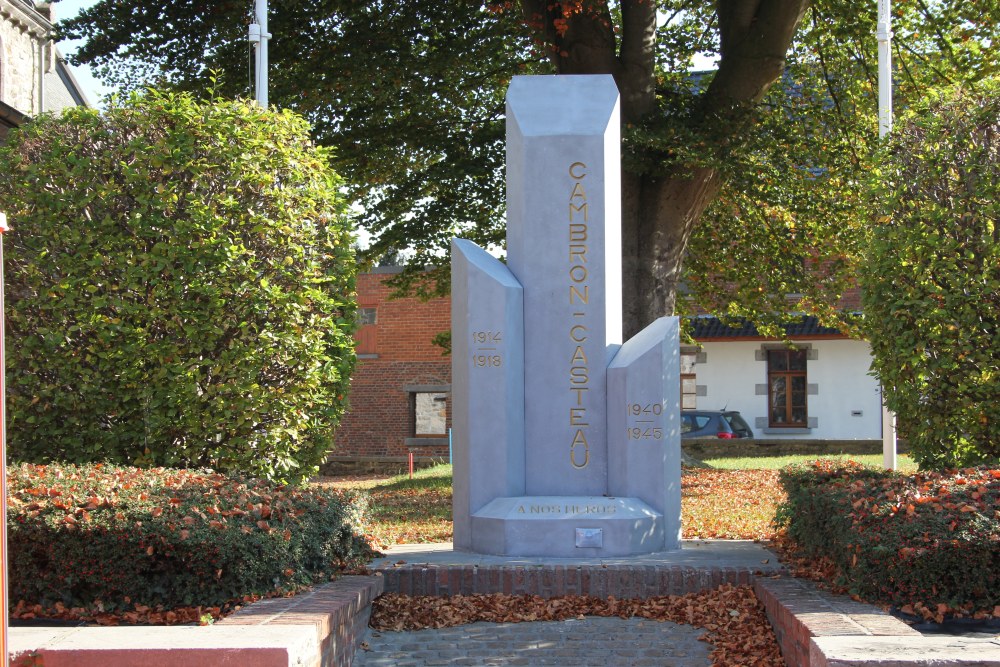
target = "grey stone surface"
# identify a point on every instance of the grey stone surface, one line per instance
(487, 329)
(591, 641)
(551, 525)
(531, 347)
(644, 434)
(854, 651)
(699, 554)
(564, 246)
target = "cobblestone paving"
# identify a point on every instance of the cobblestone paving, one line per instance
(590, 642)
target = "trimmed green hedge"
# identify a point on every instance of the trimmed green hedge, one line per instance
(931, 277)
(109, 537)
(927, 538)
(180, 288)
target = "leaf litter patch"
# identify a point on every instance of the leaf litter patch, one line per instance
(734, 620)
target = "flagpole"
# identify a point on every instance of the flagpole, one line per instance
(259, 37)
(884, 35)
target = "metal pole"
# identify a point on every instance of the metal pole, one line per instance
(884, 34)
(4, 580)
(259, 36)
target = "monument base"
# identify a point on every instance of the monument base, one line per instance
(569, 527)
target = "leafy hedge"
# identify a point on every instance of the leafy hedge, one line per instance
(115, 538)
(926, 539)
(931, 278)
(180, 288)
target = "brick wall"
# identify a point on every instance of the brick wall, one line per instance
(396, 359)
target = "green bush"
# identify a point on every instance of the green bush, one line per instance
(931, 278)
(180, 288)
(924, 539)
(113, 537)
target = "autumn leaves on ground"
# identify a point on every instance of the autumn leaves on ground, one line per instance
(724, 504)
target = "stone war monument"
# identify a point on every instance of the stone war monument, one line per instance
(566, 440)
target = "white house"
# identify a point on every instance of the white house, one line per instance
(820, 390)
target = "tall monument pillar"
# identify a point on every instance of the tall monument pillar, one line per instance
(540, 373)
(564, 246)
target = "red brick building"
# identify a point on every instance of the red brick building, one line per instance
(400, 392)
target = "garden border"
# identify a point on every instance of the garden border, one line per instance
(324, 627)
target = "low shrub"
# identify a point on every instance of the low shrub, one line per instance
(929, 540)
(112, 538)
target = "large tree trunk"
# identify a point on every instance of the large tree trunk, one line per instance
(658, 216)
(659, 212)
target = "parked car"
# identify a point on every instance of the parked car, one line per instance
(724, 424)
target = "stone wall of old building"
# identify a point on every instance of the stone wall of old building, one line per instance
(25, 49)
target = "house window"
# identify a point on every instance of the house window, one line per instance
(430, 414)
(787, 388)
(367, 316)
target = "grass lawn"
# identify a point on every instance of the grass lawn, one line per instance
(904, 462)
(735, 500)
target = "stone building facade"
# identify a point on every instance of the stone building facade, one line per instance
(34, 77)
(400, 391)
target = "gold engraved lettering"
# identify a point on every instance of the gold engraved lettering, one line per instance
(584, 297)
(579, 442)
(520, 509)
(579, 295)
(578, 233)
(546, 509)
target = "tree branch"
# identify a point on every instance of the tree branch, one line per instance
(755, 36)
(638, 59)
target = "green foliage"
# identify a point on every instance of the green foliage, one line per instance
(180, 288)
(411, 96)
(925, 538)
(112, 538)
(932, 278)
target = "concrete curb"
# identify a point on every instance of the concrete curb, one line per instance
(319, 628)
(818, 629)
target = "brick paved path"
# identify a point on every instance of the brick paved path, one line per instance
(591, 642)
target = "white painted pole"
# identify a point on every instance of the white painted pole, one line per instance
(884, 69)
(259, 36)
(884, 34)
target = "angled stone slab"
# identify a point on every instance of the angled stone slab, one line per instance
(564, 247)
(644, 431)
(487, 330)
(566, 527)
